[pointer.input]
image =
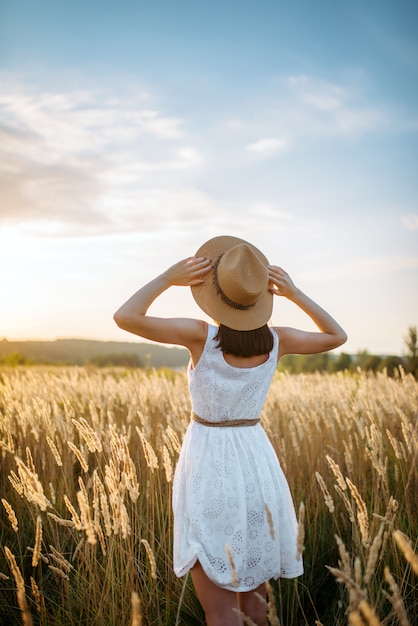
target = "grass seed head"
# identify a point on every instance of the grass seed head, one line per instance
(396, 599)
(327, 497)
(151, 558)
(38, 543)
(300, 545)
(234, 581)
(11, 515)
(405, 545)
(136, 619)
(54, 451)
(269, 520)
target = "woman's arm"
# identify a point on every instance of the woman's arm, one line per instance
(132, 315)
(294, 341)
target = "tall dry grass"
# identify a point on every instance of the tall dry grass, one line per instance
(87, 460)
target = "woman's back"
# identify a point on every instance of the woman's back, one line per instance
(221, 391)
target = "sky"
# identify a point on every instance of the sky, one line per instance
(132, 132)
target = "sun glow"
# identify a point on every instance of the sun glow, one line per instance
(22, 280)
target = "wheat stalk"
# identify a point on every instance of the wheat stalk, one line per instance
(11, 515)
(52, 492)
(59, 572)
(167, 464)
(373, 554)
(407, 550)
(136, 619)
(150, 456)
(151, 558)
(235, 580)
(62, 522)
(85, 514)
(29, 461)
(88, 434)
(327, 497)
(39, 600)
(396, 599)
(16, 483)
(60, 560)
(345, 574)
(335, 468)
(173, 438)
(270, 605)
(54, 451)
(300, 547)
(38, 542)
(79, 456)
(357, 418)
(32, 487)
(362, 515)
(20, 587)
(269, 520)
(363, 615)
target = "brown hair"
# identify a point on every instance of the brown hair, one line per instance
(245, 343)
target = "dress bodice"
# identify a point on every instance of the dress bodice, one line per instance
(220, 391)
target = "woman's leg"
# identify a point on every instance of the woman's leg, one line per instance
(217, 603)
(253, 606)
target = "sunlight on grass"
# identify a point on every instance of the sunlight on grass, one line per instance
(87, 459)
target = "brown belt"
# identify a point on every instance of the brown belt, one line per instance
(242, 422)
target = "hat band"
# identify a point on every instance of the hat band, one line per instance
(223, 296)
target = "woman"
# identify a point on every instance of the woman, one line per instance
(234, 521)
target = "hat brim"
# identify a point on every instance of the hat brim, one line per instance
(211, 303)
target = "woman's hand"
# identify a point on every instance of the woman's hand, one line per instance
(188, 272)
(132, 315)
(280, 282)
(294, 341)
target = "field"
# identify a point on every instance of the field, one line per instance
(87, 460)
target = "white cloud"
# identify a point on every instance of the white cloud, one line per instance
(234, 124)
(410, 222)
(328, 108)
(85, 162)
(268, 146)
(190, 155)
(66, 159)
(301, 109)
(307, 106)
(57, 126)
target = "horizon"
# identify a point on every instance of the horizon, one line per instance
(136, 340)
(129, 137)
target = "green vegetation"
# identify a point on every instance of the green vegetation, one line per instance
(331, 363)
(85, 351)
(326, 362)
(108, 354)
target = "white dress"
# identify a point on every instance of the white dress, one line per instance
(229, 492)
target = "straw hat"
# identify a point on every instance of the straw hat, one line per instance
(235, 293)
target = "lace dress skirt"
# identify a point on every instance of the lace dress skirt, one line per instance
(230, 495)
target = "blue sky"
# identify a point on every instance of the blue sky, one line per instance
(130, 133)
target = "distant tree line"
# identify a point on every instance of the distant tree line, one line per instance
(328, 362)
(15, 358)
(88, 351)
(325, 362)
(115, 359)
(292, 363)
